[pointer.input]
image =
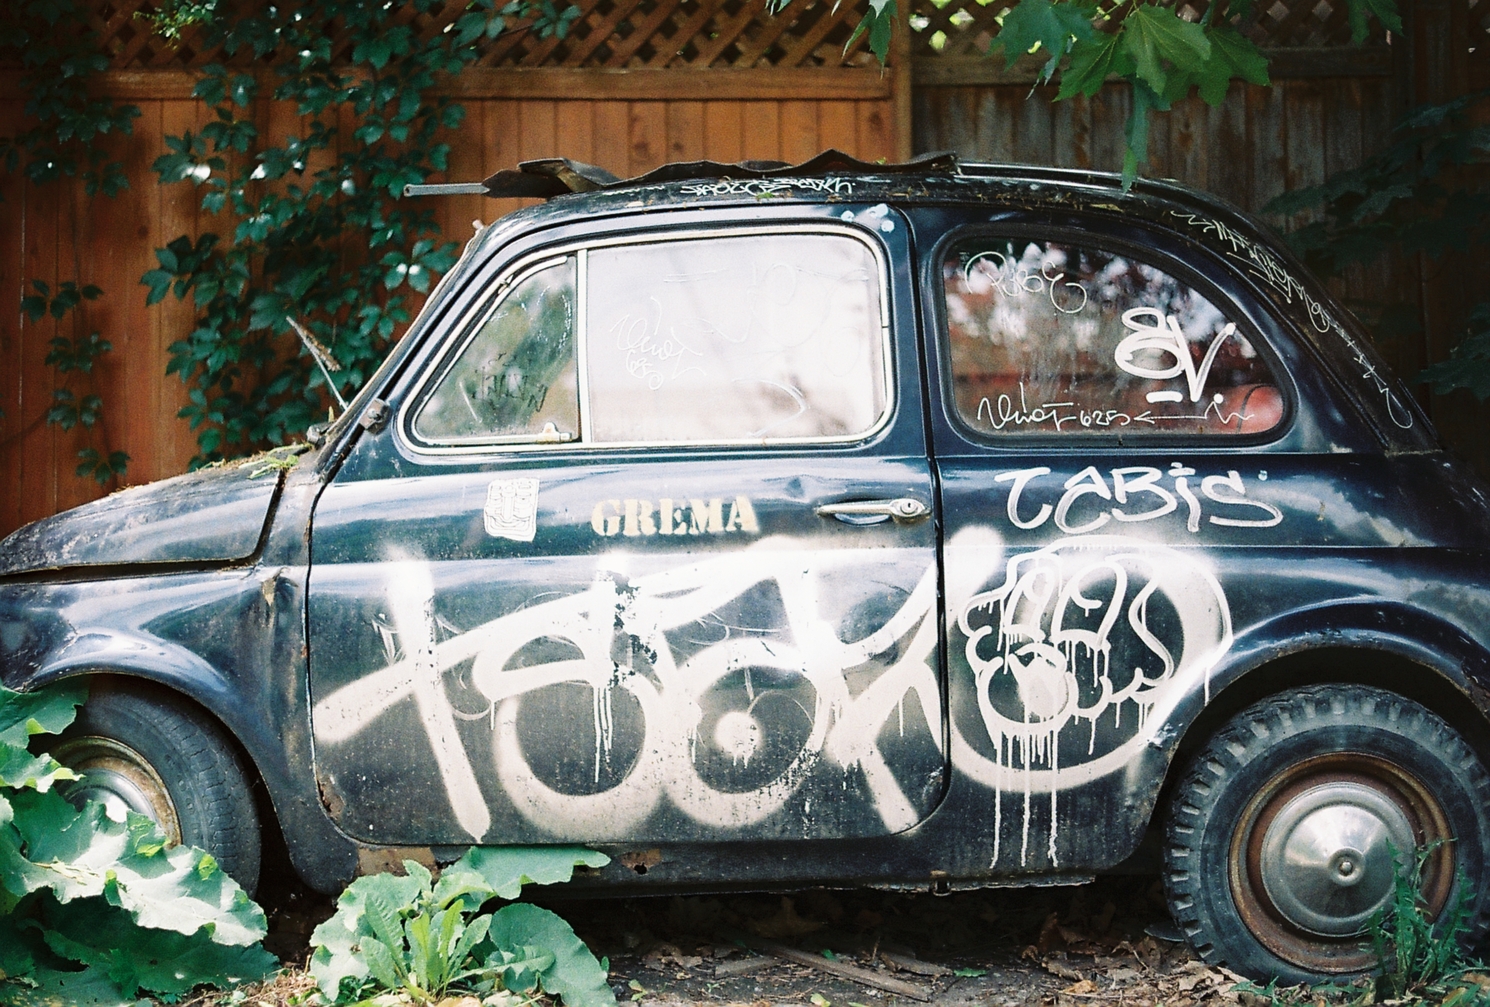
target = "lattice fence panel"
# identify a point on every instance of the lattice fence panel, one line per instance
(966, 27)
(608, 33)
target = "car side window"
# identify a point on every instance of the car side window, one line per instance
(742, 338)
(1050, 337)
(704, 339)
(516, 378)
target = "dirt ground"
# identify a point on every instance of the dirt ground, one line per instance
(1108, 942)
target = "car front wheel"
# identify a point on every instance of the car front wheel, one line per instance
(1287, 831)
(163, 759)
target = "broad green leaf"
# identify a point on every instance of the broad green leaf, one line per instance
(575, 975)
(1049, 25)
(78, 854)
(337, 942)
(508, 868)
(1153, 35)
(88, 988)
(1232, 55)
(19, 768)
(46, 711)
(140, 958)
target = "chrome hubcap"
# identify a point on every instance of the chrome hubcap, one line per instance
(1327, 857)
(120, 779)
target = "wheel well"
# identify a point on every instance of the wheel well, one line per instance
(275, 854)
(1419, 682)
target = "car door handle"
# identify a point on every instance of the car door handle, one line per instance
(861, 512)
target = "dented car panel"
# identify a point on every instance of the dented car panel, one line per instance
(214, 515)
(883, 530)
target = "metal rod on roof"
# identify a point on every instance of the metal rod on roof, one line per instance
(447, 189)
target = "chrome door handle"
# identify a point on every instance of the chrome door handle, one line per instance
(904, 510)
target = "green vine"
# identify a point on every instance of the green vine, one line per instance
(322, 237)
(76, 403)
(60, 54)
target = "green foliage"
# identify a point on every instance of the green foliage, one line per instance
(76, 402)
(1416, 196)
(1413, 950)
(80, 889)
(1144, 42)
(320, 231)
(424, 938)
(58, 51)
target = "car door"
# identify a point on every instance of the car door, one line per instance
(1129, 453)
(647, 553)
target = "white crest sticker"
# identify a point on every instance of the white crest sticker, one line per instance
(512, 509)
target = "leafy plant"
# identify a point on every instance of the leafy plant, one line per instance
(321, 232)
(73, 359)
(1415, 951)
(78, 888)
(1414, 197)
(59, 51)
(1146, 43)
(424, 938)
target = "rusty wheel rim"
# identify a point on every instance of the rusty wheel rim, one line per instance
(1311, 858)
(120, 779)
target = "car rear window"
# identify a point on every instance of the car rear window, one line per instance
(1048, 337)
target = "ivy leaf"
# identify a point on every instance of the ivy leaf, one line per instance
(1153, 35)
(1051, 26)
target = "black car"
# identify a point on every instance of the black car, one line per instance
(933, 525)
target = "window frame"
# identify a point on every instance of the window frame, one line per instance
(1149, 254)
(463, 332)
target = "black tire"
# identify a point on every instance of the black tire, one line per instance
(166, 760)
(1260, 864)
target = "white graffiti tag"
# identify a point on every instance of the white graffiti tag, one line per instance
(670, 692)
(1083, 644)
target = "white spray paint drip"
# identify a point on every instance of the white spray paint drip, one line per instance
(844, 728)
(1040, 621)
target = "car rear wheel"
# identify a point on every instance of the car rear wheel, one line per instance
(161, 759)
(1288, 829)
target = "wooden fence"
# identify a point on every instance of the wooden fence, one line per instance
(641, 82)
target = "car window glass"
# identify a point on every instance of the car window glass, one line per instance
(749, 337)
(1048, 337)
(516, 377)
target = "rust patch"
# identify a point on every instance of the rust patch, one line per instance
(333, 802)
(390, 859)
(641, 861)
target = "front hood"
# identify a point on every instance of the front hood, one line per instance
(213, 515)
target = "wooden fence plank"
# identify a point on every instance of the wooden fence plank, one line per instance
(1267, 146)
(37, 471)
(762, 130)
(838, 126)
(647, 136)
(876, 137)
(724, 129)
(13, 422)
(685, 130)
(799, 130)
(612, 136)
